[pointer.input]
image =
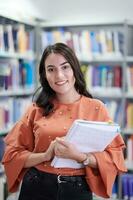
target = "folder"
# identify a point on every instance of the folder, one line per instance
(87, 136)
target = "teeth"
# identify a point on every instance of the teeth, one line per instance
(60, 82)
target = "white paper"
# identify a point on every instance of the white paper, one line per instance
(87, 136)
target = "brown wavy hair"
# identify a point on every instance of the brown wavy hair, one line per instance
(45, 94)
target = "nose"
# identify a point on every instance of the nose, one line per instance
(59, 74)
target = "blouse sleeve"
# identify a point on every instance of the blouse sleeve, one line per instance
(110, 163)
(19, 144)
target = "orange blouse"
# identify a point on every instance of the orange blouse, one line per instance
(34, 132)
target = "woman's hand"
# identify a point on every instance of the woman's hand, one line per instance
(49, 153)
(65, 149)
(37, 158)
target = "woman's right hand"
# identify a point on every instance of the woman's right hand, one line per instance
(37, 158)
(49, 153)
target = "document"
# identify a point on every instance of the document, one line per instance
(87, 136)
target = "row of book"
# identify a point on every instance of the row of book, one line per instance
(123, 185)
(105, 76)
(87, 43)
(127, 186)
(15, 74)
(114, 109)
(129, 78)
(12, 111)
(16, 38)
(129, 149)
(129, 115)
(14, 108)
(3, 187)
(2, 148)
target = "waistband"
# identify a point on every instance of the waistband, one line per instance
(60, 178)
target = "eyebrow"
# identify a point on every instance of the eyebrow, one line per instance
(66, 62)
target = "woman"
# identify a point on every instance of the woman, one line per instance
(38, 137)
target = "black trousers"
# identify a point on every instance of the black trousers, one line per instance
(38, 185)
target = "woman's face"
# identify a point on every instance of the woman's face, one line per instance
(59, 74)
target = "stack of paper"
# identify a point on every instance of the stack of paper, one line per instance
(87, 136)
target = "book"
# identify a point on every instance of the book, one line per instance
(2, 147)
(81, 133)
(2, 181)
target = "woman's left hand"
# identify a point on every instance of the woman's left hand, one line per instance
(65, 149)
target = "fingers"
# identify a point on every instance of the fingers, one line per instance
(62, 142)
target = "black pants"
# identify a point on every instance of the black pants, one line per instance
(38, 185)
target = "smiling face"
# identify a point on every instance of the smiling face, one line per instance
(59, 75)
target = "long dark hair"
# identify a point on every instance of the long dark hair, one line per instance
(47, 94)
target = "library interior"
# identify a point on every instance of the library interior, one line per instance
(101, 35)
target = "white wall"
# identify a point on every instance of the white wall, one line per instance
(69, 11)
(23, 10)
(85, 11)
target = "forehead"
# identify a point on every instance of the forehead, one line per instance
(55, 59)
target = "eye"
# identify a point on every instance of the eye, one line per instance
(66, 67)
(50, 69)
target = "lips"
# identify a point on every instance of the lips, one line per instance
(60, 83)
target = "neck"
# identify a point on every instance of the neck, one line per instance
(67, 99)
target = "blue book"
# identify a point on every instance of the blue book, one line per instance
(29, 67)
(2, 147)
(115, 190)
(95, 48)
(125, 187)
(131, 187)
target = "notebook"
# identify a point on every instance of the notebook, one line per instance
(87, 136)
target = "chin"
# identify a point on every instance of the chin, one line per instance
(63, 92)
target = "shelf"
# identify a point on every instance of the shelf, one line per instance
(129, 95)
(127, 131)
(4, 131)
(129, 165)
(113, 93)
(18, 92)
(81, 24)
(129, 58)
(26, 55)
(18, 17)
(102, 58)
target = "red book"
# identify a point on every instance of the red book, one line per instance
(118, 76)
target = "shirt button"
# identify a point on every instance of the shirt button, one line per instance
(60, 112)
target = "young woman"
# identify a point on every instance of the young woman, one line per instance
(39, 135)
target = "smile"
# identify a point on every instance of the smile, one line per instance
(60, 82)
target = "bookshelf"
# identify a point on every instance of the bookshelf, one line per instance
(17, 69)
(106, 55)
(17, 76)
